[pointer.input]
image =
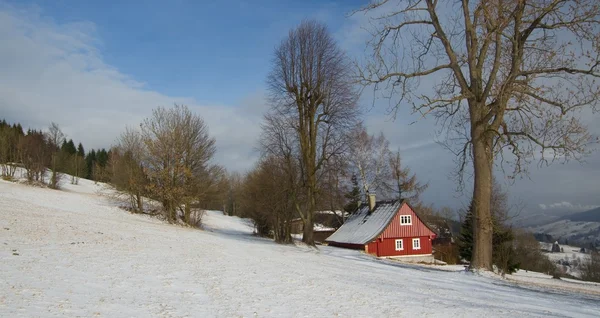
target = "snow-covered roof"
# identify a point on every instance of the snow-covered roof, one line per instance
(337, 212)
(364, 226)
(321, 227)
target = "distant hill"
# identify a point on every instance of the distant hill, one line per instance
(566, 231)
(586, 216)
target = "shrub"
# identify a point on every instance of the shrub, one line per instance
(590, 269)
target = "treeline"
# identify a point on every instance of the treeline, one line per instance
(167, 160)
(316, 154)
(36, 150)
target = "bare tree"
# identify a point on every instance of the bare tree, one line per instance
(403, 184)
(9, 139)
(509, 77)
(234, 188)
(33, 150)
(55, 138)
(334, 187)
(368, 156)
(590, 268)
(178, 149)
(267, 200)
(129, 176)
(311, 88)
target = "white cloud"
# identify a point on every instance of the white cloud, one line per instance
(566, 206)
(55, 72)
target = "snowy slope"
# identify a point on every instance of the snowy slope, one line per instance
(74, 253)
(573, 232)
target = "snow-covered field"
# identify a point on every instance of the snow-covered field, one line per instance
(569, 260)
(74, 253)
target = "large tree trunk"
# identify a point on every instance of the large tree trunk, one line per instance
(482, 193)
(307, 234)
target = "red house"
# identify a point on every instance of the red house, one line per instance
(386, 229)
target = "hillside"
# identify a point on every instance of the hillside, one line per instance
(586, 216)
(75, 253)
(581, 229)
(577, 233)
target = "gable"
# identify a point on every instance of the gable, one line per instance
(416, 229)
(363, 227)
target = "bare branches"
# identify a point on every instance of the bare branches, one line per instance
(532, 70)
(522, 58)
(368, 157)
(178, 149)
(313, 104)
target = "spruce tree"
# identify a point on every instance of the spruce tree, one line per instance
(90, 161)
(68, 147)
(503, 253)
(102, 157)
(465, 238)
(63, 147)
(80, 151)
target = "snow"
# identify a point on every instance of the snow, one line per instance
(569, 260)
(321, 227)
(546, 281)
(575, 232)
(566, 228)
(75, 253)
(337, 212)
(363, 225)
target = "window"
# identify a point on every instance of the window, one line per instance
(399, 245)
(405, 220)
(416, 244)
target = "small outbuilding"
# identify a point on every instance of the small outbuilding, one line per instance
(386, 229)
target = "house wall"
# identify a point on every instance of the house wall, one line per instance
(385, 244)
(387, 247)
(417, 229)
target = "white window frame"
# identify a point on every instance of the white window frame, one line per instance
(401, 245)
(418, 241)
(406, 217)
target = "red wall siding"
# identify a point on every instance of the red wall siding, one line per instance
(417, 229)
(387, 247)
(371, 248)
(385, 244)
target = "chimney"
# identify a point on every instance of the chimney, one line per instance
(371, 202)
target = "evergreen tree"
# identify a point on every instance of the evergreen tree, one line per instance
(80, 151)
(102, 157)
(465, 238)
(90, 161)
(68, 147)
(503, 253)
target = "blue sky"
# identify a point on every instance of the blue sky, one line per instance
(96, 67)
(213, 51)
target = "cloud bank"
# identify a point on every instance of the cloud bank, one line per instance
(55, 73)
(567, 206)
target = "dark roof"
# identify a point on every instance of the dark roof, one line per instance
(364, 226)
